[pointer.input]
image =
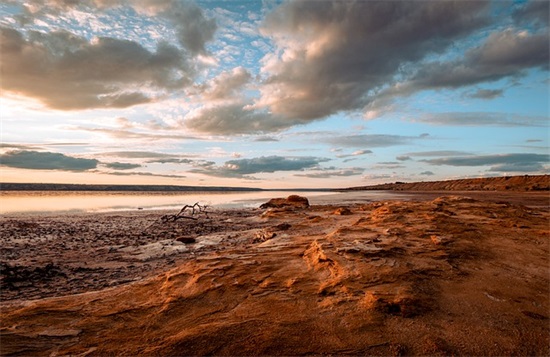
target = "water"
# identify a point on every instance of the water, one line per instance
(87, 201)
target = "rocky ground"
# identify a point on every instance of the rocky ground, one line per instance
(45, 256)
(449, 275)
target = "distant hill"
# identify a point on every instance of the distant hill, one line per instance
(78, 187)
(504, 183)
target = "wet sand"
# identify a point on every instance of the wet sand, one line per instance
(432, 274)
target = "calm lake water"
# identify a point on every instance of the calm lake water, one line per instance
(87, 201)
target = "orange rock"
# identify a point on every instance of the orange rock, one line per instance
(293, 201)
(342, 211)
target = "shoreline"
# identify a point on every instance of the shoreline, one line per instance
(528, 198)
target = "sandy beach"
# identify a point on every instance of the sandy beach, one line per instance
(433, 274)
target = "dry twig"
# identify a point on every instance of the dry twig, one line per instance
(195, 209)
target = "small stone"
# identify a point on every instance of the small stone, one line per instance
(263, 235)
(437, 240)
(186, 240)
(282, 227)
(342, 211)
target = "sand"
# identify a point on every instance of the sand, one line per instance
(456, 274)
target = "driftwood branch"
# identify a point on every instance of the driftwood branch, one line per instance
(195, 209)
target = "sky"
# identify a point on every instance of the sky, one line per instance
(272, 94)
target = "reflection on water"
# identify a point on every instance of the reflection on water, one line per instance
(87, 201)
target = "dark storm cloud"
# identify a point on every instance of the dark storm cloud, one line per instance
(121, 166)
(370, 140)
(38, 160)
(516, 162)
(264, 164)
(484, 94)
(67, 72)
(338, 53)
(483, 119)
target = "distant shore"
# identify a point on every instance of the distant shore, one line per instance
(503, 183)
(13, 186)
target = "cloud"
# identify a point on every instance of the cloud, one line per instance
(355, 153)
(332, 172)
(266, 139)
(171, 161)
(515, 162)
(503, 54)
(264, 164)
(17, 146)
(152, 157)
(427, 173)
(118, 173)
(370, 140)
(68, 72)
(378, 176)
(194, 30)
(439, 153)
(151, 7)
(333, 56)
(483, 119)
(121, 166)
(485, 94)
(534, 11)
(34, 147)
(388, 165)
(403, 158)
(127, 134)
(234, 119)
(226, 85)
(139, 154)
(38, 160)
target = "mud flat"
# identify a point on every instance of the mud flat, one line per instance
(447, 275)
